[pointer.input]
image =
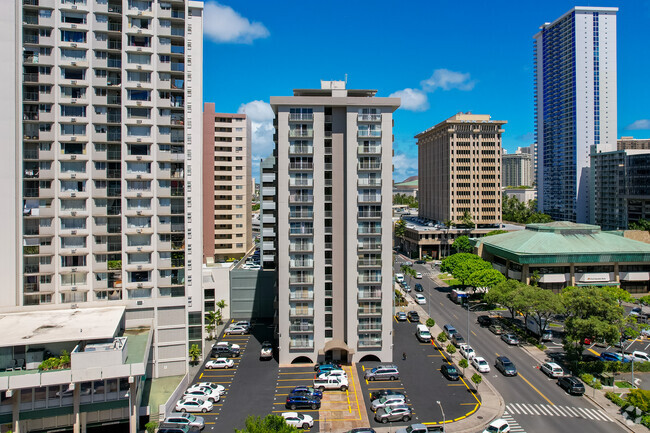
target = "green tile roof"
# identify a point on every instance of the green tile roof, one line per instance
(565, 242)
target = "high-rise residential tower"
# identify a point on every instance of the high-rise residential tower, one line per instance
(108, 147)
(333, 161)
(575, 106)
(227, 185)
(517, 169)
(459, 169)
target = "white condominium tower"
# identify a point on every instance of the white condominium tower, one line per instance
(575, 106)
(103, 144)
(333, 161)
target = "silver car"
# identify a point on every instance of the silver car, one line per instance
(185, 419)
(394, 413)
(388, 401)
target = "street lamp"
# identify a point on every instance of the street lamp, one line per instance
(443, 416)
(469, 308)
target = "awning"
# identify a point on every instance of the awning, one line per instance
(335, 344)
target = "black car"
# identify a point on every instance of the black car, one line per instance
(505, 366)
(413, 316)
(419, 288)
(306, 391)
(450, 372)
(224, 352)
(317, 365)
(420, 262)
(484, 320)
(383, 393)
(295, 401)
(572, 385)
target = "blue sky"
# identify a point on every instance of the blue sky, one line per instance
(454, 56)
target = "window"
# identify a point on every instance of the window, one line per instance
(73, 18)
(139, 59)
(139, 95)
(73, 129)
(72, 36)
(73, 110)
(69, 54)
(73, 74)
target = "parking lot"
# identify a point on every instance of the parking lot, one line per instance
(420, 381)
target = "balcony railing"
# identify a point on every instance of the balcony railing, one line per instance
(298, 344)
(300, 150)
(369, 311)
(370, 342)
(301, 133)
(301, 248)
(369, 165)
(305, 312)
(369, 199)
(301, 263)
(301, 199)
(370, 133)
(369, 278)
(301, 166)
(369, 214)
(369, 182)
(369, 327)
(302, 327)
(301, 296)
(369, 150)
(369, 262)
(369, 117)
(369, 295)
(369, 246)
(301, 116)
(301, 182)
(301, 214)
(369, 230)
(301, 279)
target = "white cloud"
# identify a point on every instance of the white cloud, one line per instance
(261, 115)
(446, 80)
(412, 99)
(405, 166)
(639, 124)
(222, 24)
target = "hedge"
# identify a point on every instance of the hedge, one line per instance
(597, 367)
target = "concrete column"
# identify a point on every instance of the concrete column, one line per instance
(16, 411)
(572, 272)
(83, 416)
(420, 252)
(617, 276)
(133, 407)
(76, 419)
(525, 274)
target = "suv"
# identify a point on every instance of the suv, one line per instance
(413, 316)
(505, 366)
(224, 352)
(418, 287)
(382, 372)
(185, 419)
(571, 385)
(176, 428)
(295, 401)
(552, 369)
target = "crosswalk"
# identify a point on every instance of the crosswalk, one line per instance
(556, 410)
(514, 425)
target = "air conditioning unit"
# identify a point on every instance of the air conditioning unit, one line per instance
(73, 101)
(140, 285)
(73, 156)
(139, 140)
(73, 194)
(138, 103)
(139, 67)
(73, 45)
(73, 232)
(74, 26)
(138, 230)
(73, 289)
(73, 175)
(139, 267)
(73, 138)
(139, 121)
(138, 85)
(139, 249)
(139, 49)
(73, 120)
(138, 158)
(73, 251)
(73, 213)
(138, 212)
(73, 270)
(139, 194)
(74, 63)
(139, 176)
(139, 13)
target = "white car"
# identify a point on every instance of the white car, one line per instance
(208, 394)
(420, 299)
(219, 388)
(245, 323)
(220, 363)
(498, 426)
(333, 373)
(399, 278)
(552, 369)
(193, 405)
(418, 275)
(467, 351)
(266, 352)
(298, 420)
(226, 344)
(480, 364)
(235, 330)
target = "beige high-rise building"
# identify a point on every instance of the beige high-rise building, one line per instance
(459, 169)
(333, 256)
(227, 185)
(517, 169)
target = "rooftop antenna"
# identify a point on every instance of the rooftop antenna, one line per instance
(346, 79)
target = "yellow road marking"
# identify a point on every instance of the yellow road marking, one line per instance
(201, 376)
(375, 389)
(538, 391)
(593, 351)
(306, 372)
(473, 333)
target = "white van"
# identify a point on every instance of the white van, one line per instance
(399, 278)
(640, 356)
(422, 333)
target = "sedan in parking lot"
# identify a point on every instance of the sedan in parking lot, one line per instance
(295, 401)
(326, 368)
(505, 366)
(207, 394)
(480, 364)
(298, 420)
(220, 363)
(187, 419)
(388, 401)
(220, 389)
(266, 352)
(334, 365)
(510, 339)
(191, 404)
(401, 316)
(395, 413)
(306, 390)
(413, 316)
(384, 392)
(450, 372)
(233, 329)
(613, 356)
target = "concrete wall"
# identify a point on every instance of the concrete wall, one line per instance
(252, 294)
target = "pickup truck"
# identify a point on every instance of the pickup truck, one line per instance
(420, 428)
(331, 382)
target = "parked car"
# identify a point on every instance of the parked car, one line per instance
(420, 262)
(498, 426)
(449, 330)
(484, 320)
(193, 404)
(362, 430)
(382, 372)
(318, 365)
(510, 339)
(450, 372)
(244, 323)
(420, 299)
(298, 420)
(236, 330)
(383, 393)
(387, 401)
(266, 352)
(552, 369)
(467, 351)
(220, 389)
(227, 344)
(401, 316)
(406, 287)
(613, 356)
(220, 363)
(176, 428)
(307, 390)
(399, 278)
(395, 413)
(326, 368)
(421, 428)
(505, 366)
(207, 394)
(636, 311)
(413, 316)
(224, 352)
(496, 329)
(423, 334)
(572, 385)
(332, 373)
(480, 364)
(185, 419)
(418, 287)
(640, 356)
(335, 382)
(457, 340)
(295, 401)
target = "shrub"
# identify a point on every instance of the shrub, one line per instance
(442, 337)
(618, 401)
(151, 426)
(451, 349)
(589, 380)
(640, 398)
(114, 264)
(430, 323)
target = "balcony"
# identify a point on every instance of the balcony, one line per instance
(369, 342)
(369, 263)
(301, 279)
(369, 182)
(369, 166)
(301, 215)
(369, 117)
(369, 199)
(366, 327)
(300, 248)
(369, 247)
(301, 166)
(376, 133)
(369, 214)
(296, 150)
(301, 312)
(294, 117)
(369, 279)
(369, 295)
(301, 263)
(369, 312)
(301, 327)
(301, 296)
(369, 150)
(301, 199)
(369, 230)
(301, 133)
(298, 344)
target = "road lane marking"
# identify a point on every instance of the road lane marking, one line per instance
(593, 351)
(538, 391)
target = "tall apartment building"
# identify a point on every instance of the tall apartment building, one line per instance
(459, 169)
(268, 214)
(333, 161)
(532, 151)
(575, 106)
(227, 185)
(631, 143)
(517, 169)
(109, 93)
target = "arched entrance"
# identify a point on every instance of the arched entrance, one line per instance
(370, 358)
(302, 360)
(336, 350)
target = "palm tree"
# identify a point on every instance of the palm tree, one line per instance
(221, 305)
(408, 272)
(195, 353)
(211, 321)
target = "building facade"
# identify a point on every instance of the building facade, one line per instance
(575, 106)
(531, 150)
(227, 185)
(333, 161)
(517, 170)
(459, 169)
(109, 156)
(631, 143)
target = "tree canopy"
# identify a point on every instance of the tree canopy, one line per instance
(408, 200)
(468, 267)
(462, 245)
(539, 305)
(450, 263)
(269, 424)
(504, 294)
(485, 278)
(400, 228)
(525, 213)
(640, 225)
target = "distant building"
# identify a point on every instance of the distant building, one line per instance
(531, 150)
(459, 169)
(524, 195)
(568, 254)
(575, 106)
(517, 170)
(631, 143)
(408, 187)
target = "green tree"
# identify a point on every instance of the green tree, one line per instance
(408, 271)
(221, 304)
(640, 398)
(477, 379)
(255, 207)
(441, 337)
(268, 424)
(485, 278)
(467, 219)
(408, 200)
(534, 278)
(448, 223)
(495, 232)
(211, 322)
(195, 353)
(618, 294)
(542, 305)
(400, 231)
(640, 225)
(450, 263)
(463, 364)
(468, 267)
(462, 245)
(451, 349)
(515, 211)
(430, 322)
(503, 294)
